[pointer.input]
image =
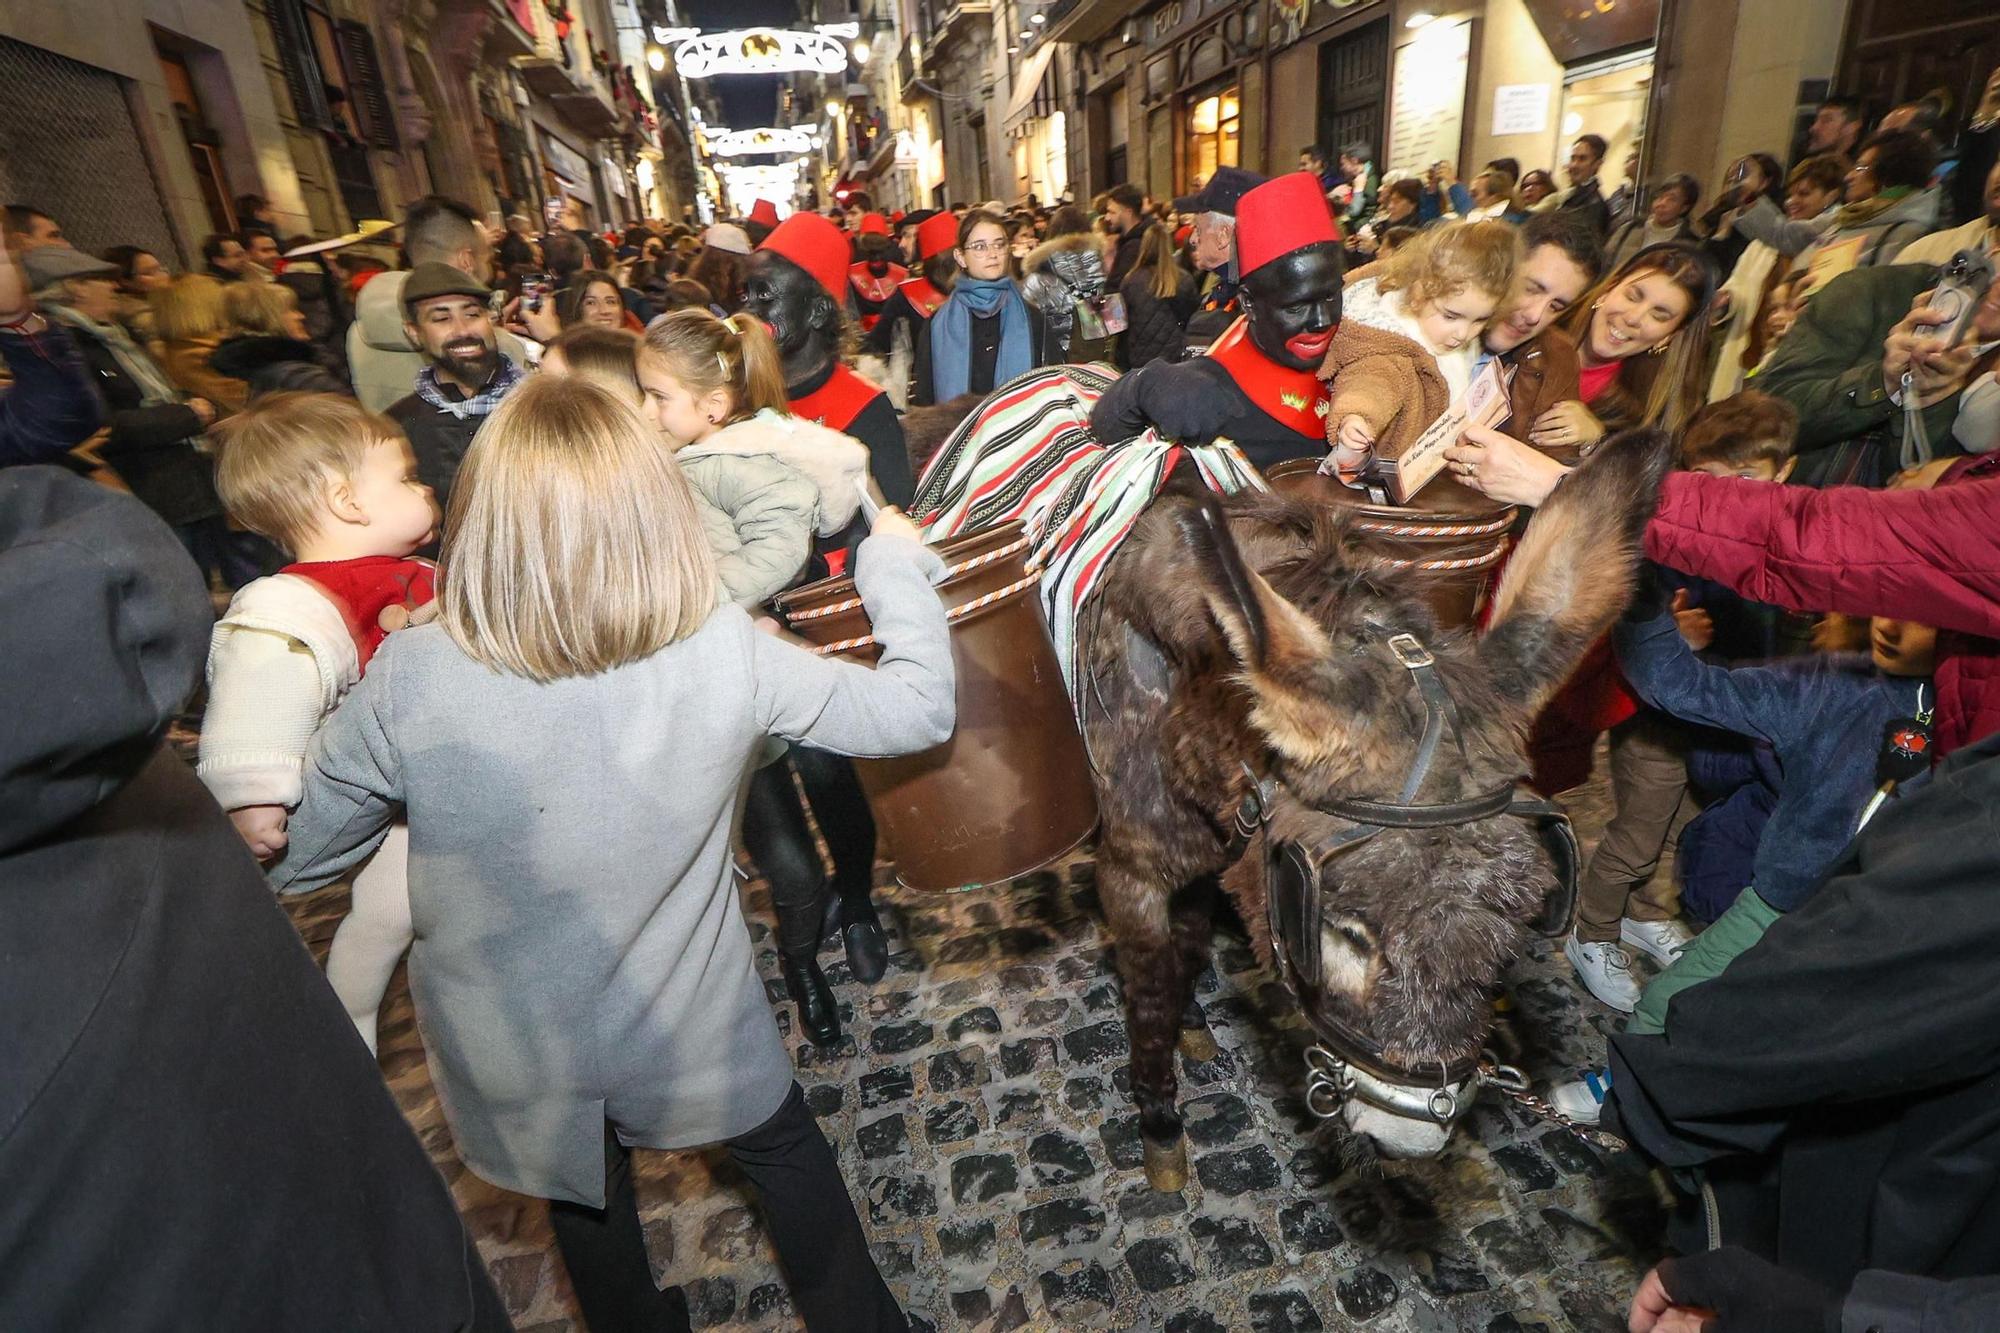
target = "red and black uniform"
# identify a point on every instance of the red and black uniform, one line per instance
(914, 302)
(1216, 311)
(1271, 412)
(841, 400)
(873, 289)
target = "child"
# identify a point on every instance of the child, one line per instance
(1438, 291)
(569, 740)
(608, 358)
(337, 487)
(1827, 720)
(715, 390)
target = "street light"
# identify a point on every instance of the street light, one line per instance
(656, 59)
(861, 51)
(1038, 18)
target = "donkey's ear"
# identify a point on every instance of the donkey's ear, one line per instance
(1573, 572)
(1285, 656)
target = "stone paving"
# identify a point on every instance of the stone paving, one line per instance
(978, 1103)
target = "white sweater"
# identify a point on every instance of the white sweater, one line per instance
(280, 659)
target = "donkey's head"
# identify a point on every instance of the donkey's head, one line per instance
(1399, 884)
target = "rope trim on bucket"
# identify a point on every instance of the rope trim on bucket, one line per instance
(1492, 557)
(955, 613)
(951, 571)
(1385, 529)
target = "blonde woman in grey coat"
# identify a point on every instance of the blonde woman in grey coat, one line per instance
(569, 742)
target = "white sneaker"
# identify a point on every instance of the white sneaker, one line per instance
(1583, 1100)
(1661, 941)
(1606, 972)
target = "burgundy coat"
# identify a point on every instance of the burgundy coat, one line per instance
(1930, 556)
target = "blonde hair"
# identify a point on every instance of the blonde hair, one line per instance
(705, 354)
(259, 307)
(191, 306)
(1441, 261)
(276, 454)
(608, 358)
(572, 545)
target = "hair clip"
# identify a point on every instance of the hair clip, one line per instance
(729, 322)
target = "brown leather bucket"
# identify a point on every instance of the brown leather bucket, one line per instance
(1451, 539)
(1010, 792)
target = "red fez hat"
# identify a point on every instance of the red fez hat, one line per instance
(815, 245)
(937, 234)
(874, 224)
(764, 213)
(896, 218)
(1181, 234)
(1280, 217)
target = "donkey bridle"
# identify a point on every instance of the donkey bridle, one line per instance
(1356, 1065)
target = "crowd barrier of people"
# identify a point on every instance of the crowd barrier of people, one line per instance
(442, 473)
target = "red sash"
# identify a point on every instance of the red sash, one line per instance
(921, 294)
(361, 589)
(876, 289)
(836, 403)
(1297, 398)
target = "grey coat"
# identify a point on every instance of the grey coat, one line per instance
(581, 954)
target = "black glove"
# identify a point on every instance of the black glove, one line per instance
(1181, 401)
(1749, 1294)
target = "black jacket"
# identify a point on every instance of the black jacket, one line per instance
(1587, 202)
(191, 1133)
(1126, 257)
(150, 448)
(1041, 351)
(1156, 327)
(270, 364)
(438, 438)
(1840, 1082)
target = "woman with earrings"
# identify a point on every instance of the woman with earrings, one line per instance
(985, 334)
(1642, 349)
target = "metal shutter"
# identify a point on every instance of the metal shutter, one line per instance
(364, 85)
(300, 62)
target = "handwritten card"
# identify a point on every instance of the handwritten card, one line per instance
(1403, 474)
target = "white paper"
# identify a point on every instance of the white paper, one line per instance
(1521, 108)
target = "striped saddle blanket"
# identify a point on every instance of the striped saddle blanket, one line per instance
(1027, 453)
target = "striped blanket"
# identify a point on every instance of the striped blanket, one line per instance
(1027, 453)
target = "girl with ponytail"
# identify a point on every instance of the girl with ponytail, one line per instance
(769, 482)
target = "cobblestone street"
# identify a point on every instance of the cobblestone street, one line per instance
(979, 1106)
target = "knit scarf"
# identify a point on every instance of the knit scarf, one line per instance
(951, 335)
(481, 403)
(1857, 215)
(155, 388)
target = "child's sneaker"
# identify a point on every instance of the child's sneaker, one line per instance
(1605, 971)
(1661, 941)
(1583, 1100)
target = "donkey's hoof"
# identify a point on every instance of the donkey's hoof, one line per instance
(1198, 1045)
(1166, 1165)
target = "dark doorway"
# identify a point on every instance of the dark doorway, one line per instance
(1353, 78)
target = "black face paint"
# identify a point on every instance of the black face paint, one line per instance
(1293, 305)
(802, 318)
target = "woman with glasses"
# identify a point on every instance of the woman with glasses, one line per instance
(985, 334)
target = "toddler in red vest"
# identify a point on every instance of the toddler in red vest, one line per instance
(337, 487)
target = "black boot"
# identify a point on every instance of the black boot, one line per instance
(819, 1015)
(861, 934)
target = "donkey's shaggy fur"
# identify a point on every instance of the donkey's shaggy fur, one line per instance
(1253, 636)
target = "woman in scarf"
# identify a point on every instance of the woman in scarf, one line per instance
(985, 334)
(151, 432)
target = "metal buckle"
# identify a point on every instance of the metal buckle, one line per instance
(1410, 651)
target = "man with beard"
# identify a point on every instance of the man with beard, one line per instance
(1123, 208)
(797, 283)
(1214, 210)
(1559, 264)
(465, 375)
(1258, 385)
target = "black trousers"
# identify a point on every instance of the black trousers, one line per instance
(780, 841)
(834, 1284)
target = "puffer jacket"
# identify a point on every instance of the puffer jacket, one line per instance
(1931, 556)
(766, 486)
(1874, 231)
(1157, 330)
(1056, 275)
(270, 363)
(381, 361)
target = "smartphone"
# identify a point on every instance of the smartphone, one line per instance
(1961, 287)
(535, 289)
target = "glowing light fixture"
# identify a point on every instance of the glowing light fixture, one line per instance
(765, 139)
(656, 59)
(861, 52)
(1419, 19)
(1038, 19)
(760, 51)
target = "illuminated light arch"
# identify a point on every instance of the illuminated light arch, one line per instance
(759, 51)
(765, 139)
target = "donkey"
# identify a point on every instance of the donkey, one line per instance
(1275, 714)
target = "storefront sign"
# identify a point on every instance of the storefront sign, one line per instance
(760, 51)
(1521, 108)
(1427, 103)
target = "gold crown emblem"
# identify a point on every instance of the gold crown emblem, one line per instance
(1295, 401)
(1322, 407)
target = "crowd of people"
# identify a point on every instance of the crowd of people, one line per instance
(592, 459)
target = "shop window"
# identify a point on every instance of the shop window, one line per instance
(1214, 133)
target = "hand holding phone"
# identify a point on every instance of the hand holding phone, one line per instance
(1961, 287)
